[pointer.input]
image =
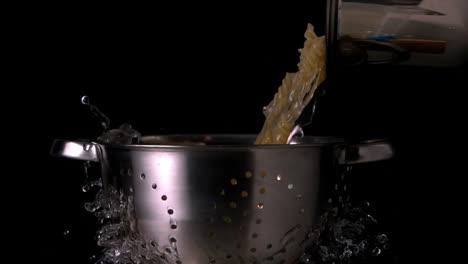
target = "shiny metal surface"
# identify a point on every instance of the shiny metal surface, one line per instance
(80, 150)
(220, 197)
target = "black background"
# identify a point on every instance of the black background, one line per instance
(165, 70)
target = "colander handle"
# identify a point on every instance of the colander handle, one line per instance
(375, 150)
(80, 150)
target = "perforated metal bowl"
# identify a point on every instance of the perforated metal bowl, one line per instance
(223, 199)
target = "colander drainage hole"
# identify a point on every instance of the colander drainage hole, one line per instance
(126, 172)
(269, 246)
(228, 256)
(154, 186)
(173, 223)
(253, 250)
(164, 197)
(142, 176)
(170, 211)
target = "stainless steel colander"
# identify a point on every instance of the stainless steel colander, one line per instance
(223, 199)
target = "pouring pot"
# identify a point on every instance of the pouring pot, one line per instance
(223, 199)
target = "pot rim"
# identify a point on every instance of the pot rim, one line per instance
(220, 141)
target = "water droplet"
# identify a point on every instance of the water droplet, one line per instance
(290, 186)
(362, 245)
(248, 174)
(222, 192)
(306, 258)
(263, 174)
(262, 190)
(301, 211)
(376, 251)
(130, 189)
(299, 197)
(227, 219)
(85, 100)
(233, 205)
(154, 186)
(382, 238)
(92, 257)
(260, 205)
(142, 176)
(279, 177)
(347, 253)
(92, 207)
(336, 187)
(85, 187)
(370, 218)
(244, 194)
(66, 232)
(233, 181)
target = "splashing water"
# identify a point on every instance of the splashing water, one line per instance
(105, 121)
(118, 234)
(344, 234)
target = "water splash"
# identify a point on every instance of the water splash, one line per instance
(346, 232)
(105, 121)
(119, 236)
(124, 135)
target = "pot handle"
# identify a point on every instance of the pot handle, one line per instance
(80, 150)
(367, 151)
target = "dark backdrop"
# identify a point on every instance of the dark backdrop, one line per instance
(167, 71)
